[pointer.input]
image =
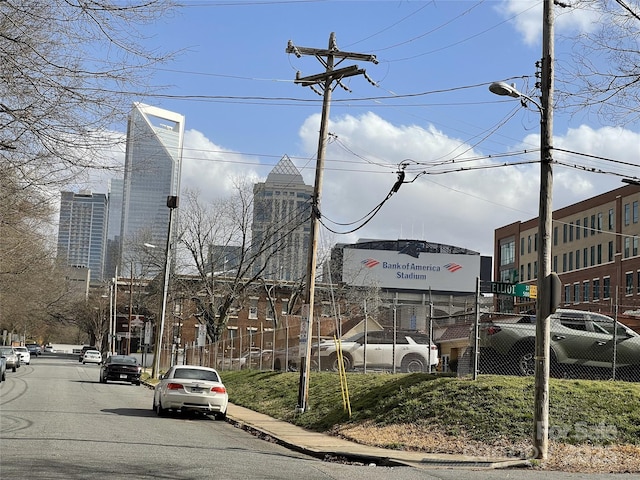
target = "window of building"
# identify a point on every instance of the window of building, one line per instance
(611, 219)
(521, 245)
(578, 229)
(284, 306)
(585, 228)
(528, 271)
(599, 253)
(570, 261)
(593, 255)
(627, 247)
(555, 235)
(555, 263)
(585, 291)
(577, 259)
(635, 212)
(564, 262)
(585, 257)
(529, 244)
(507, 252)
(565, 233)
(535, 242)
(567, 294)
(522, 271)
(571, 232)
(535, 269)
(606, 287)
(629, 283)
(627, 214)
(634, 250)
(593, 225)
(253, 308)
(599, 222)
(596, 289)
(576, 293)
(610, 251)
(638, 282)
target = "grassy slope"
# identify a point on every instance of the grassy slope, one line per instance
(491, 407)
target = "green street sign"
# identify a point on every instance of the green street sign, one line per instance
(515, 290)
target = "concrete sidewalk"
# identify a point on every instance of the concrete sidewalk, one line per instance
(325, 446)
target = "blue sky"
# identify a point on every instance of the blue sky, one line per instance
(430, 106)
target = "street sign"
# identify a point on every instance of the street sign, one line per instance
(515, 290)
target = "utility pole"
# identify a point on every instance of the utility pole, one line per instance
(544, 283)
(324, 81)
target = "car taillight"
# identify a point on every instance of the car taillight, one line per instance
(493, 330)
(218, 389)
(433, 347)
(174, 386)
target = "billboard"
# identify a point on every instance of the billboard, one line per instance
(390, 269)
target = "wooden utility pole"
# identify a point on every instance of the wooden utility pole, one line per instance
(325, 81)
(544, 298)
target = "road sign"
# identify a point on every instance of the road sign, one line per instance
(515, 290)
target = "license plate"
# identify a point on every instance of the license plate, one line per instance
(122, 375)
(196, 389)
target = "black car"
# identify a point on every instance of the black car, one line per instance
(120, 368)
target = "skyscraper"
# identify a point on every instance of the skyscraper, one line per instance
(152, 173)
(82, 231)
(114, 221)
(282, 223)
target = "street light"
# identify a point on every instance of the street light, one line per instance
(172, 204)
(547, 282)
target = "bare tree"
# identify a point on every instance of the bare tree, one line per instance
(70, 70)
(218, 239)
(605, 74)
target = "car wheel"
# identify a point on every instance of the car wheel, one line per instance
(4, 376)
(221, 416)
(413, 364)
(346, 362)
(159, 410)
(14, 368)
(526, 363)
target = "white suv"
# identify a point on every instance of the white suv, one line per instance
(413, 352)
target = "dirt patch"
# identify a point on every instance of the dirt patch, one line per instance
(562, 457)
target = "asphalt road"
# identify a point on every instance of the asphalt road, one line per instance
(57, 421)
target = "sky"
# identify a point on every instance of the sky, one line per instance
(425, 104)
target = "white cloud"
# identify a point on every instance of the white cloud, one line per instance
(527, 18)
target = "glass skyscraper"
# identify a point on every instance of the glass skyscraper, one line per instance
(82, 231)
(152, 173)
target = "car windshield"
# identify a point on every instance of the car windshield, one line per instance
(196, 374)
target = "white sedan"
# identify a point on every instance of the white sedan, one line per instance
(92, 356)
(25, 356)
(191, 388)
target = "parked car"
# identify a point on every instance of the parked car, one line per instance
(84, 349)
(123, 368)
(92, 356)
(250, 359)
(191, 388)
(11, 357)
(48, 349)
(3, 368)
(25, 356)
(414, 352)
(581, 343)
(34, 349)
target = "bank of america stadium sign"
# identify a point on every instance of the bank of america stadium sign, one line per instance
(390, 269)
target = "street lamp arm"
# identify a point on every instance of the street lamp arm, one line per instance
(504, 89)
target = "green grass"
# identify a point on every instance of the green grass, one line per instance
(492, 407)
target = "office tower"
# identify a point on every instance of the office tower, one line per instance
(282, 223)
(82, 231)
(112, 252)
(152, 173)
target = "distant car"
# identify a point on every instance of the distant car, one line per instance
(25, 356)
(191, 388)
(34, 349)
(49, 349)
(3, 368)
(92, 356)
(84, 349)
(122, 368)
(11, 357)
